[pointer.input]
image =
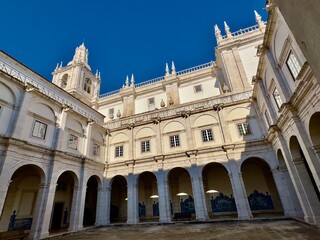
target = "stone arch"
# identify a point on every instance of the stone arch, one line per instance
(278, 41)
(90, 207)
(218, 191)
(75, 125)
(64, 80)
(22, 198)
(119, 137)
(180, 191)
(7, 105)
(118, 203)
(148, 197)
(63, 204)
(260, 187)
(43, 110)
(145, 132)
(173, 126)
(314, 129)
(303, 169)
(237, 113)
(7, 94)
(204, 119)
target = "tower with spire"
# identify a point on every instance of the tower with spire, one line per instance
(77, 78)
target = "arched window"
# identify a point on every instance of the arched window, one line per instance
(64, 80)
(87, 85)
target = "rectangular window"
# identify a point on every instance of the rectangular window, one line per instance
(151, 103)
(244, 128)
(198, 88)
(39, 130)
(145, 146)
(277, 98)
(73, 142)
(96, 150)
(293, 65)
(174, 141)
(119, 151)
(206, 135)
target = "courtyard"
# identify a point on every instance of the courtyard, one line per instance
(260, 230)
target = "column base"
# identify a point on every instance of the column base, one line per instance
(245, 217)
(312, 220)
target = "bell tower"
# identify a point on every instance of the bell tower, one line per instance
(77, 79)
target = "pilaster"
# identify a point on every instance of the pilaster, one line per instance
(133, 216)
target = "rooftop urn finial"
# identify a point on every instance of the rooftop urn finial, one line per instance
(132, 80)
(162, 103)
(173, 68)
(258, 20)
(118, 114)
(57, 67)
(97, 73)
(127, 81)
(167, 70)
(217, 32)
(60, 65)
(227, 29)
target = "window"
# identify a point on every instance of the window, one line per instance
(198, 88)
(87, 85)
(145, 146)
(73, 141)
(119, 151)
(151, 103)
(244, 128)
(277, 98)
(293, 65)
(206, 135)
(96, 150)
(39, 130)
(64, 81)
(174, 141)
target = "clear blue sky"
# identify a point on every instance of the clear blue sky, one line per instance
(123, 36)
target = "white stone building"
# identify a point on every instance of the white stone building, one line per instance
(197, 144)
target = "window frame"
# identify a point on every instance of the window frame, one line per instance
(145, 146)
(267, 117)
(87, 85)
(195, 88)
(96, 150)
(174, 141)
(207, 135)
(36, 135)
(151, 104)
(118, 151)
(76, 140)
(294, 66)
(277, 98)
(244, 128)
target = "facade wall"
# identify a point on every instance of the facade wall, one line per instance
(192, 148)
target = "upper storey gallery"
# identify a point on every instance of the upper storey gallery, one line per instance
(236, 64)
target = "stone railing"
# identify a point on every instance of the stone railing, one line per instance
(159, 79)
(46, 91)
(196, 68)
(168, 112)
(243, 31)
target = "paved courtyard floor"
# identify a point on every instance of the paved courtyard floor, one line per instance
(260, 230)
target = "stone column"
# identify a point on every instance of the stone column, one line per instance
(132, 202)
(4, 187)
(18, 116)
(306, 146)
(284, 195)
(87, 151)
(103, 206)
(164, 202)
(47, 210)
(198, 193)
(239, 192)
(36, 228)
(299, 183)
(77, 211)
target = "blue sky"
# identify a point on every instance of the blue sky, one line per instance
(123, 36)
